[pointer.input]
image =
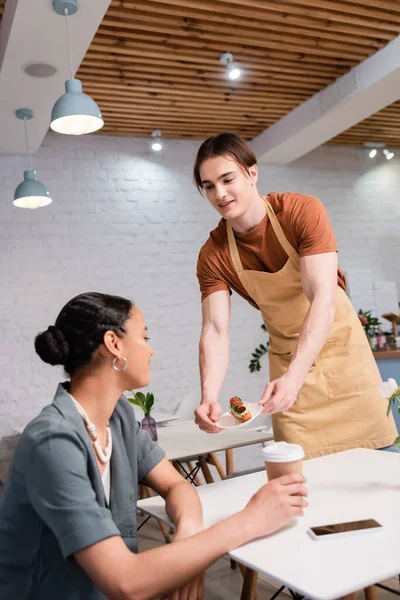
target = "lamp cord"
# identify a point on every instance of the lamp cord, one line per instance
(69, 43)
(26, 145)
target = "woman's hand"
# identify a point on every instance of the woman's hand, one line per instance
(274, 505)
(194, 589)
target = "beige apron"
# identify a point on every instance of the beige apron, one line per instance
(339, 405)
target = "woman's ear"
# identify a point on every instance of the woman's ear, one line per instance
(112, 343)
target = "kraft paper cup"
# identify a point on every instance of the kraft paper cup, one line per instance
(281, 458)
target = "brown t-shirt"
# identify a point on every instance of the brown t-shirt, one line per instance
(306, 226)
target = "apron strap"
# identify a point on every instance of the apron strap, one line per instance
(277, 227)
(237, 263)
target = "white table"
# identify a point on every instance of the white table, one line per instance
(183, 442)
(352, 485)
(184, 439)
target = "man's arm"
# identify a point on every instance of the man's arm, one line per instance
(214, 357)
(319, 281)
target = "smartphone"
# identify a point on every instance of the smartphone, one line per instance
(322, 532)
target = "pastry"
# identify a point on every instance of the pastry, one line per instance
(238, 410)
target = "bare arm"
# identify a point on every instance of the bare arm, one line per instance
(319, 281)
(214, 356)
(182, 503)
(122, 575)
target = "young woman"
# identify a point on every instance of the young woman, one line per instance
(68, 512)
(279, 253)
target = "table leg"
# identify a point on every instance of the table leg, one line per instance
(214, 461)
(229, 461)
(249, 583)
(206, 471)
(371, 593)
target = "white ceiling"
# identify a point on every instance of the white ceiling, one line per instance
(366, 89)
(32, 31)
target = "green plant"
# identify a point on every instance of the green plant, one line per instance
(145, 402)
(258, 352)
(369, 323)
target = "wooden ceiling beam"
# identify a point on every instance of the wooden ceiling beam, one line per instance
(148, 58)
(282, 8)
(188, 110)
(384, 5)
(247, 16)
(336, 9)
(147, 98)
(238, 28)
(105, 44)
(140, 101)
(344, 7)
(217, 83)
(253, 75)
(182, 91)
(187, 38)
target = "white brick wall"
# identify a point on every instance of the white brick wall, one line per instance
(123, 221)
(127, 221)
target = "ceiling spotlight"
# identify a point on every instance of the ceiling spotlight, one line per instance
(156, 144)
(373, 148)
(389, 155)
(233, 71)
(30, 193)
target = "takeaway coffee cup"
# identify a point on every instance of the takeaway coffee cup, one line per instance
(282, 458)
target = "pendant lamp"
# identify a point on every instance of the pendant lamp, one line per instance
(30, 193)
(74, 113)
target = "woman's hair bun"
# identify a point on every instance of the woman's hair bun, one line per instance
(52, 346)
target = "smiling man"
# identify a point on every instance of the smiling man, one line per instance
(279, 253)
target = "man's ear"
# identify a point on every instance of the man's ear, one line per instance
(253, 172)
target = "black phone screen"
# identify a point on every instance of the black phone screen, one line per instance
(344, 527)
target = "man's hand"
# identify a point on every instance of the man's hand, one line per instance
(280, 394)
(206, 415)
(194, 589)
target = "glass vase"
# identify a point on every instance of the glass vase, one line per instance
(149, 424)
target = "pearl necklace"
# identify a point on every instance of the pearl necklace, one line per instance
(103, 456)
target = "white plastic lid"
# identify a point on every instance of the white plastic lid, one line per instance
(283, 452)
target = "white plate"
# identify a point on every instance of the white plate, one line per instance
(226, 421)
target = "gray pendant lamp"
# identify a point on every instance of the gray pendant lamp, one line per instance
(30, 193)
(74, 113)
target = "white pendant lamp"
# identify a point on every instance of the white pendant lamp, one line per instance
(74, 113)
(30, 193)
